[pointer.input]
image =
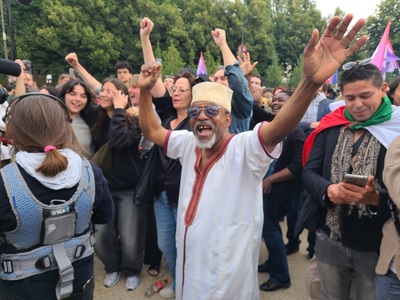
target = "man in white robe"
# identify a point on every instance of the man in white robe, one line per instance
(218, 226)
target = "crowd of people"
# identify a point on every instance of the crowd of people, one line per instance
(200, 170)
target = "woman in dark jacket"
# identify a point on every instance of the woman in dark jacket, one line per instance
(172, 110)
(119, 244)
(278, 185)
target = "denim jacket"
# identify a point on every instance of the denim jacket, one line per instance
(242, 99)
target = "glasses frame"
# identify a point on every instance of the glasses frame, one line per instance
(180, 90)
(351, 64)
(206, 110)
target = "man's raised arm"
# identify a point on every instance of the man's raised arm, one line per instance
(149, 123)
(242, 99)
(321, 59)
(146, 27)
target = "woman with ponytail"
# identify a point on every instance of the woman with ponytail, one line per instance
(49, 199)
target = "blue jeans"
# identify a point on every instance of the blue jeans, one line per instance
(387, 286)
(277, 260)
(166, 229)
(120, 243)
(337, 265)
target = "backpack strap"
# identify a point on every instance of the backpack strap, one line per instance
(64, 286)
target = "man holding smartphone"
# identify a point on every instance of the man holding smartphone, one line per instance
(352, 139)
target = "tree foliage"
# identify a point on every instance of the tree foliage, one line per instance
(293, 25)
(211, 62)
(275, 73)
(172, 61)
(376, 24)
(103, 32)
(296, 73)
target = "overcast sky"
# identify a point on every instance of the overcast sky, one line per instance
(359, 8)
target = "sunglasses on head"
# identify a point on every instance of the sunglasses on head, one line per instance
(211, 111)
(352, 64)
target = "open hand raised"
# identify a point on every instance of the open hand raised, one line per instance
(322, 58)
(246, 65)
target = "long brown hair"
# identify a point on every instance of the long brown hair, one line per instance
(36, 121)
(95, 130)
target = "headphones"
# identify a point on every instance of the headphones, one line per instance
(19, 98)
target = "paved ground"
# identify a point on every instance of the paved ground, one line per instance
(297, 266)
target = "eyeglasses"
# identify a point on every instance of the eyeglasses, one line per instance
(210, 111)
(352, 64)
(180, 91)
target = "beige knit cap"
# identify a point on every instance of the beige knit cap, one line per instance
(213, 92)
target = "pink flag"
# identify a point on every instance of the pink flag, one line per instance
(201, 68)
(384, 57)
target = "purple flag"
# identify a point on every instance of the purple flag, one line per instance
(384, 57)
(201, 68)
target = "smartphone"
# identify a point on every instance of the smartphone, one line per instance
(360, 180)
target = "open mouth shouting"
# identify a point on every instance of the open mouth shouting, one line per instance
(205, 133)
(204, 129)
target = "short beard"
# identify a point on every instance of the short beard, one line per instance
(210, 143)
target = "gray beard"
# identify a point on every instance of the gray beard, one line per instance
(208, 144)
(211, 141)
